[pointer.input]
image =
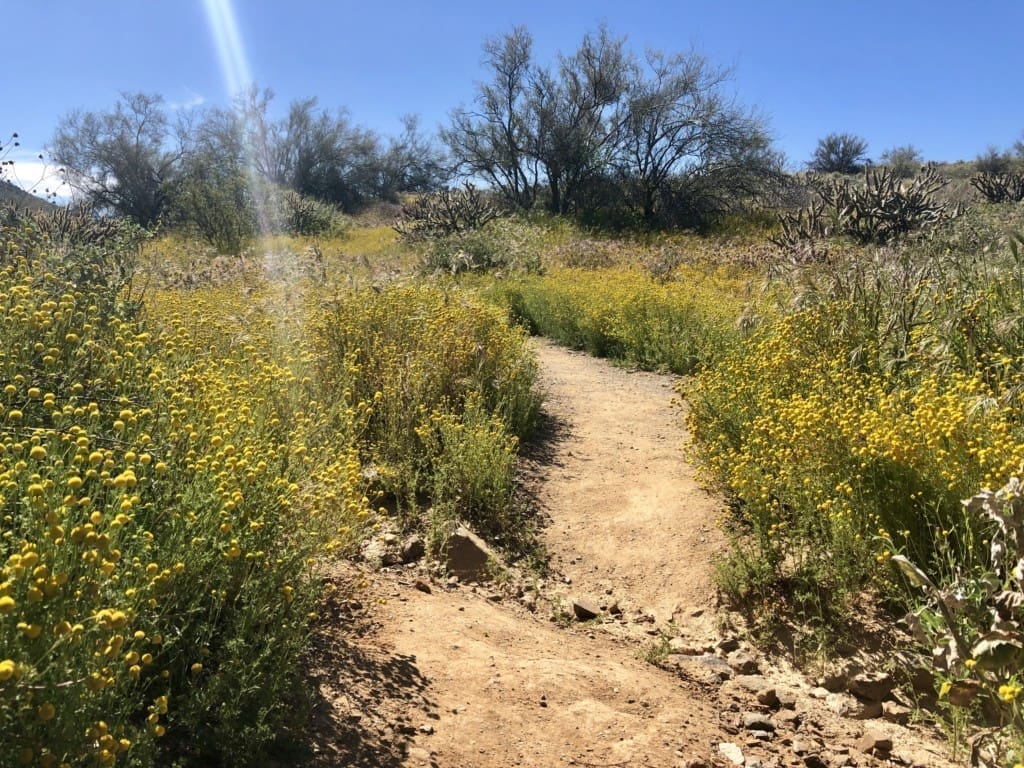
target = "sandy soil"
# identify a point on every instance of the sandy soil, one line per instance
(430, 672)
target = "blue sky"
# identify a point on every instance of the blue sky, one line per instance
(945, 76)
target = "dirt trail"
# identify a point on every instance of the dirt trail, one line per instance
(476, 676)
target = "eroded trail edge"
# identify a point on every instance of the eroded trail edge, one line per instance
(506, 674)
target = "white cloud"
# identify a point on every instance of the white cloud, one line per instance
(36, 176)
(191, 100)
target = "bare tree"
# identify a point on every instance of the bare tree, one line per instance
(124, 160)
(577, 115)
(492, 140)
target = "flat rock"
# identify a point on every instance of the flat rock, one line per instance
(757, 721)
(466, 554)
(894, 712)
(706, 665)
(731, 752)
(585, 610)
(873, 742)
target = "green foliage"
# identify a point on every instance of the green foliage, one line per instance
(972, 626)
(502, 246)
(450, 383)
(164, 489)
(217, 203)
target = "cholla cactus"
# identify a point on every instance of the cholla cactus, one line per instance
(1000, 187)
(880, 210)
(443, 213)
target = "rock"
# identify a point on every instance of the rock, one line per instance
(834, 682)
(494, 597)
(787, 699)
(803, 746)
(873, 742)
(706, 667)
(427, 729)
(745, 683)
(872, 686)
(845, 705)
(762, 735)
(423, 586)
(467, 554)
(731, 752)
(767, 697)
(757, 721)
(728, 644)
(413, 549)
(815, 761)
(742, 663)
(787, 718)
(584, 610)
(390, 558)
(529, 601)
(679, 645)
(389, 538)
(895, 712)
(695, 762)
(614, 609)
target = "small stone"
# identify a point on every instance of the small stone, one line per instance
(728, 644)
(742, 663)
(873, 686)
(389, 538)
(731, 752)
(413, 549)
(695, 762)
(584, 610)
(494, 597)
(419, 754)
(467, 554)
(815, 761)
(768, 697)
(894, 712)
(423, 586)
(757, 721)
(762, 735)
(803, 747)
(426, 728)
(873, 742)
(614, 609)
(787, 718)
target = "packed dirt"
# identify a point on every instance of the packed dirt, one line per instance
(620, 655)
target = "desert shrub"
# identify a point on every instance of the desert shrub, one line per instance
(839, 153)
(307, 216)
(993, 160)
(888, 390)
(502, 246)
(1000, 187)
(625, 314)
(903, 162)
(165, 485)
(429, 361)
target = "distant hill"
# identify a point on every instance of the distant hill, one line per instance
(9, 193)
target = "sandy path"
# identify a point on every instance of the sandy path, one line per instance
(464, 676)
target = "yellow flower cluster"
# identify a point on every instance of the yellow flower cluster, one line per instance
(164, 490)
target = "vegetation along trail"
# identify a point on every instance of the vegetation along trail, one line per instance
(512, 672)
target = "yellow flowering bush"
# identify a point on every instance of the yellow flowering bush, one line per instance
(430, 360)
(624, 313)
(164, 489)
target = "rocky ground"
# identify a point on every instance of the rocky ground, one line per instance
(619, 656)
